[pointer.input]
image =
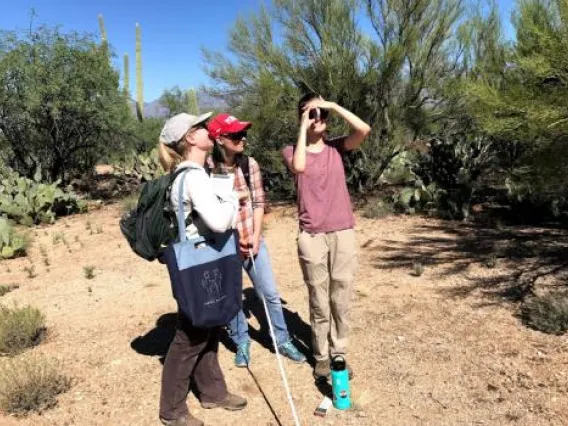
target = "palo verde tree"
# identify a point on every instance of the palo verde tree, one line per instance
(389, 76)
(526, 101)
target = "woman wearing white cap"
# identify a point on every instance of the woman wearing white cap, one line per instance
(193, 354)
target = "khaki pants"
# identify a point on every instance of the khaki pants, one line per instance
(329, 264)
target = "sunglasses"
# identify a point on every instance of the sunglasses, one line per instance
(318, 114)
(236, 137)
(202, 125)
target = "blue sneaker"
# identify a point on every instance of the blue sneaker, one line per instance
(242, 358)
(290, 351)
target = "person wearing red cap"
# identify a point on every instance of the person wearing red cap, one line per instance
(326, 243)
(230, 135)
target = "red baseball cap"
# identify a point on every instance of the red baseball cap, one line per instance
(223, 124)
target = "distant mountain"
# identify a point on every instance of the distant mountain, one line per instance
(156, 110)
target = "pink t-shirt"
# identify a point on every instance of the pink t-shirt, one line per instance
(323, 200)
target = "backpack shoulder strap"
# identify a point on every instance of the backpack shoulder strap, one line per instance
(173, 177)
(243, 164)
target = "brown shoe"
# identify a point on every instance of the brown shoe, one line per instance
(322, 370)
(188, 420)
(231, 402)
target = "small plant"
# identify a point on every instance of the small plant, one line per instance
(30, 270)
(5, 289)
(20, 328)
(89, 272)
(417, 269)
(377, 209)
(490, 261)
(31, 384)
(88, 225)
(12, 243)
(548, 314)
(129, 203)
(58, 237)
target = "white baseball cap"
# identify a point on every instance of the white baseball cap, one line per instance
(177, 126)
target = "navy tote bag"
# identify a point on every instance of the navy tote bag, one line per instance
(205, 273)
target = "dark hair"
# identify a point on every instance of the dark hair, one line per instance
(304, 100)
(218, 156)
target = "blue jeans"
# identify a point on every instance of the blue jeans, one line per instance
(264, 285)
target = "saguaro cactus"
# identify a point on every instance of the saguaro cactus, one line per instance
(192, 104)
(139, 82)
(104, 41)
(126, 72)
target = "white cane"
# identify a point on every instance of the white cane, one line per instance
(271, 327)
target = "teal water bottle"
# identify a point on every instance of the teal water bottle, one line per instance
(340, 383)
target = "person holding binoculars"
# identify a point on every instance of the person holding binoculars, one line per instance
(327, 248)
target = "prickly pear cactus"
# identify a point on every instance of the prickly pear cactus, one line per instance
(12, 244)
(142, 167)
(28, 201)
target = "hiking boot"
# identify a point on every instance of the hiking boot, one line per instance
(242, 358)
(231, 402)
(290, 351)
(322, 371)
(188, 420)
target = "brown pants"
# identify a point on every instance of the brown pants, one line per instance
(329, 264)
(192, 354)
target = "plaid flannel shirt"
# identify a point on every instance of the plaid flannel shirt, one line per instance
(245, 220)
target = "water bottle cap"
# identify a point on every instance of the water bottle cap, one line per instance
(338, 363)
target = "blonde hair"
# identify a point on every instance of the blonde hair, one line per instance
(171, 156)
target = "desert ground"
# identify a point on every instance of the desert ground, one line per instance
(442, 348)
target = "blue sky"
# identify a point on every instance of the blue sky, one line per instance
(173, 31)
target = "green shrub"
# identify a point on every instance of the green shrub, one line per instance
(5, 289)
(129, 203)
(377, 209)
(30, 384)
(12, 243)
(548, 314)
(89, 272)
(20, 328)
(417, 269)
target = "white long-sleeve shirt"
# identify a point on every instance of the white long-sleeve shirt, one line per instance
(215, 212)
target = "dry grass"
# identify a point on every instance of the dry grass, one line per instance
(30, 384)
(548, 314)
(20, 328)
(5, 289)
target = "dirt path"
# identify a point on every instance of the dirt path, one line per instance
(439, 349)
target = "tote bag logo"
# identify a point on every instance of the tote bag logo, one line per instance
(211, 283)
